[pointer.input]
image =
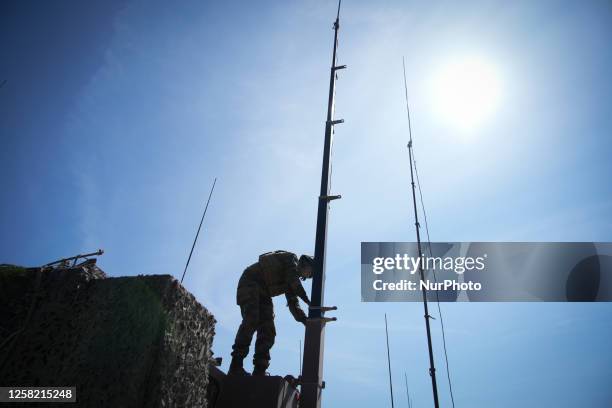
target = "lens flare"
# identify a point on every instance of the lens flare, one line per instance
(466, 92)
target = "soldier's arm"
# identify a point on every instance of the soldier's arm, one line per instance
(298, 290)
(294, 280)
(294, 308)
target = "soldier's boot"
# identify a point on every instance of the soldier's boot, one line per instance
(260, 371)
(236, 367)
(260, 367)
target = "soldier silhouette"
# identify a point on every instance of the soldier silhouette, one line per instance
(275, 273)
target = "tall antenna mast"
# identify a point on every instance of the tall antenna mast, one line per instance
(432, 368)
(389, 362)
(312, 382)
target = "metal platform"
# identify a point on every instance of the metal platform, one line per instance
(251, 391)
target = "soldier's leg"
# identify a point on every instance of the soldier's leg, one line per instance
(246, 330)
(266, 332)
(249, 309)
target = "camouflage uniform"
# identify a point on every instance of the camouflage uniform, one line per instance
(274, 274)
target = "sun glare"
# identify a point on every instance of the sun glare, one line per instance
(465, 93)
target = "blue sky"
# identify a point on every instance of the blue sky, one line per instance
(116, 117)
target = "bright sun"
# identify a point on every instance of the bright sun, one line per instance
(466, 92)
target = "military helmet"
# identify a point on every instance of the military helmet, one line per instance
(306, 260)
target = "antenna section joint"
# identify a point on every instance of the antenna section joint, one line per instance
(330, 197)
(323, 308)
(320, 320)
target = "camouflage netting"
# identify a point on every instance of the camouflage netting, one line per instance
(125, 342)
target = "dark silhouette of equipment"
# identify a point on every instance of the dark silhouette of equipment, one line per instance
(65, 262)
(233, 391)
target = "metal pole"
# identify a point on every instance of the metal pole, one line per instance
(312, 379)
(432, 368)
(199, 227)
(389, 361)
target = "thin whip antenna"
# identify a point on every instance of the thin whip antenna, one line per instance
(389, 361)
(407, 392)
(199, 228)
(416, 172)
(407, 107)
(432, 368)
(300, 357)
